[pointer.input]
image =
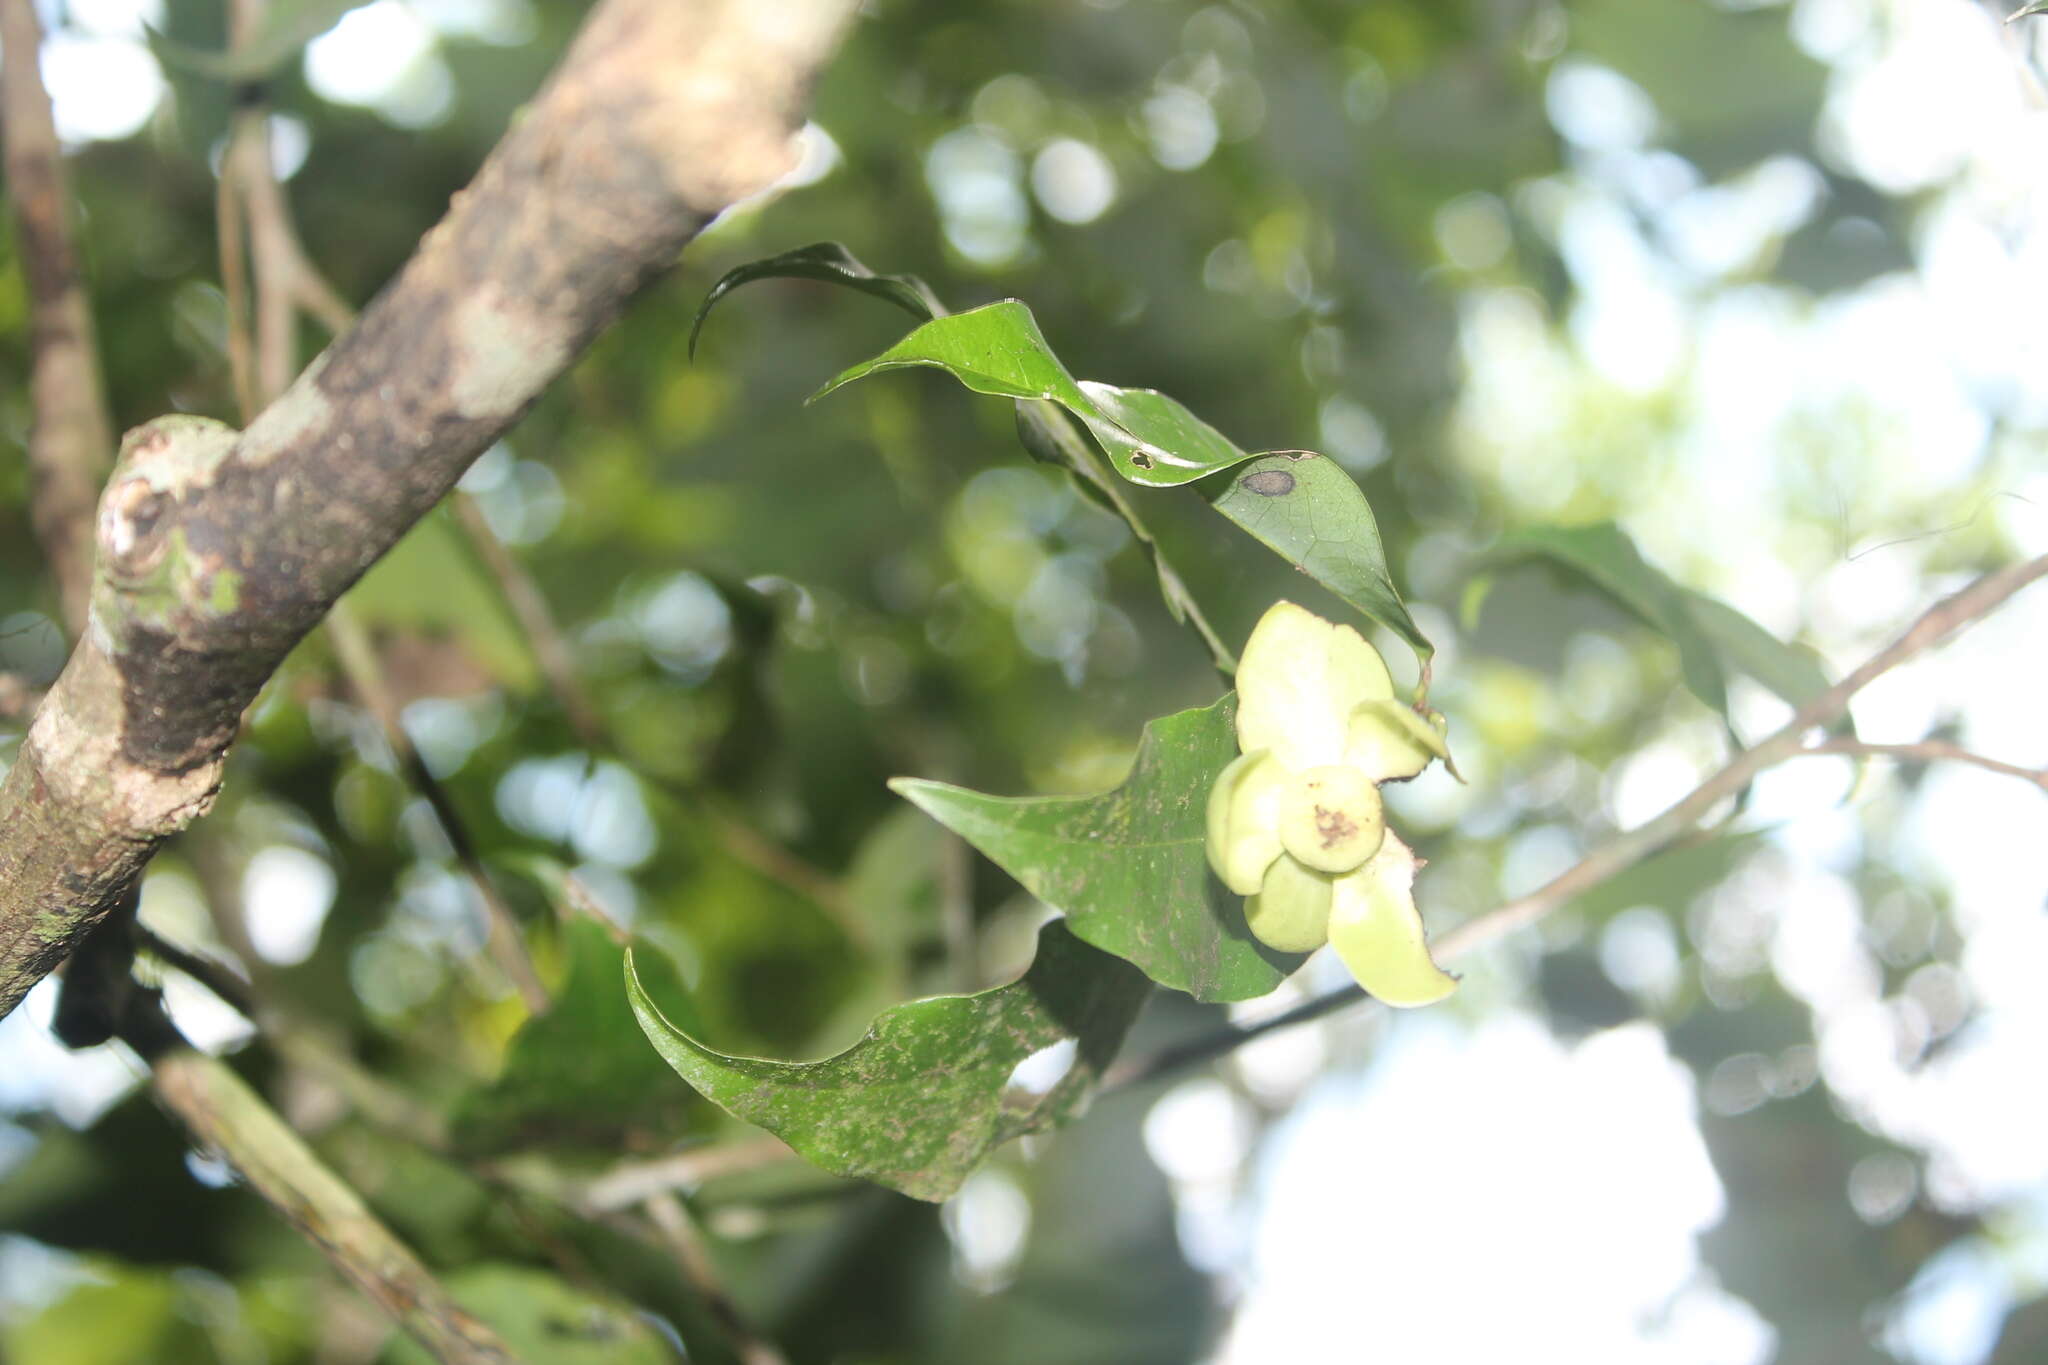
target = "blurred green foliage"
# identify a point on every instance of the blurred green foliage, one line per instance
(777, 608)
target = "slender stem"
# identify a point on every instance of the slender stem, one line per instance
(209, 972)
(71, 440)
(530, 606)
(1080, 456)
(1928, 751)
(1933, 626)
(18, 700)
(503, 939)
(680, 1234)
(632, 1182)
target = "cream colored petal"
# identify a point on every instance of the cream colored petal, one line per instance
(1377, 931)
(1331, 818)
(1390, 742)
(1298, 683)
(1243, 820)
(1292, 910)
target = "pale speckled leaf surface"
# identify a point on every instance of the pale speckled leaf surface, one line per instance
(918, 1102)
(1129, 867)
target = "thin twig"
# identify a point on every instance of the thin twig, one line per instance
(224, 1114)
(632, 1182)
(1928, 751)
(557, 665)
(530, 607)
(71, 437)
(1079, 455)
(503, 939)
(679, 1233)
(215, 975)
(18, 701)
(1934, 626)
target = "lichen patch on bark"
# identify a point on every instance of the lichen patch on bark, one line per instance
(503, 354)
(300, 410)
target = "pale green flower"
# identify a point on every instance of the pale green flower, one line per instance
(1295, 822)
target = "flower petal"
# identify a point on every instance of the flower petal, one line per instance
(1331, 818)
(1298, 683)
(1377, 931)
(1292, 910)
(1244, 818)
(1392, 743)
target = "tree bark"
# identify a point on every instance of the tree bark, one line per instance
(218, 550)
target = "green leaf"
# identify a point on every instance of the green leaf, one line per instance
(566, 1079)
(1793, 672)
(1309, 512)
(286, 26)
(1129, 867)
(1714, 640)
(541, 1317)
(831, 263)
(998, 349)
(918, 1102)
(2036, 7)
(1603, 554)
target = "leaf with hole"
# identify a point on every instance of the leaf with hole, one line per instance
(935, 1085)
(1129, 867)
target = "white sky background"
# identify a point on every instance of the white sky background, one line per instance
(1482, 1186)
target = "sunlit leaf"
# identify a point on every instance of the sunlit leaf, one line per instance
(2036, 7)
(918, 1102)
(1310, 513)
(286, 26)
(1130, 867)
(831, 263)
(1793, 672)
(1603, 554)
(1715, 642)
(998, 349)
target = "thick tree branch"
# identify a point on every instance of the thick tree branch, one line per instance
(219, 551)
(70, 436)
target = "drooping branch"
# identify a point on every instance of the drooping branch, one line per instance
(71, 439)
(220, 550)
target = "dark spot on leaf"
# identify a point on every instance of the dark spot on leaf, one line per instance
(1269, 483)
(1141, 460)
